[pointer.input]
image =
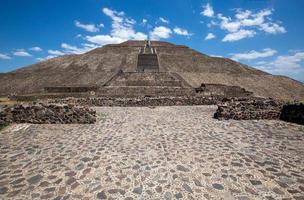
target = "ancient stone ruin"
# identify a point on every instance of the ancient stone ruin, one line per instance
(146, 77)
(151, 73)
(249, 109)
(47, 114)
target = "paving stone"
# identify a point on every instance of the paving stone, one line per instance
(35, 179)
(3, 190)
(187, 187)
(101, 195)
(255, 182)
(138, 190)
(161, 153)
(218, 186)
(182, 168)
(178, 195)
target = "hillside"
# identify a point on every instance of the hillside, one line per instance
(95, 68)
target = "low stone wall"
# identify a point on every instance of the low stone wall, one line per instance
(293, 113)
(223, 90)
(144, 101)
(249, 109)
(70, 89)
(48, 114)
(35, 97)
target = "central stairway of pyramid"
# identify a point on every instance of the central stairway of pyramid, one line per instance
(147, 80)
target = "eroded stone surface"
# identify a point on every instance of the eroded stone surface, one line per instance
(159, 153)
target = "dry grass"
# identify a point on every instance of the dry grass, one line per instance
(7, 101)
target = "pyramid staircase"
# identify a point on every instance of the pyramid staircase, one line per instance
(147, 80)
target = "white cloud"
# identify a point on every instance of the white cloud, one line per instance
(4, 57)
(122, 28)
(289, 62)
(243, 14)
(144, 22)
(254, 19)
(56, 52)
(207, 10)
(164, 20)
(228, 25)
(272, 28)
(251, 55)
(37, 49)
(46, 58)
(88, 27)
(160, 32)
(104, 39)
(289, 65)
(210, 36)
(69, 49)
(241, 34)
(217, 56)
(245, 23)
(180, 31)
(21, 53)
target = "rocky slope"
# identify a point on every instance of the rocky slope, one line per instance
(96, 66)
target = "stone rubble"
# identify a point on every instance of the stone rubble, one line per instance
(140, 101)
(47, 114)
(249, 109)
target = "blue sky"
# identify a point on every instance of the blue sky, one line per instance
(266, 34)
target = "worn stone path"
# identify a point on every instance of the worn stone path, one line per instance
(153, 153)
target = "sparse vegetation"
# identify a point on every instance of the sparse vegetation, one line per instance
(3, 126)
(7, 101)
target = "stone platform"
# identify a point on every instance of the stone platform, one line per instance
(153, 153)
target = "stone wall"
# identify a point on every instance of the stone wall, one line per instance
(293, 113)
(222, 90)
(70, 89)
(144, 101)
(249, 109)
(138, 92)
(48, 114)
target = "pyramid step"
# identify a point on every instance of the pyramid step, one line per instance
(145, 79)
(141, 91)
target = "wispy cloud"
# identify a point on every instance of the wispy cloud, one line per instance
(56, 52)
(21, 53)
(70, 49)
(36, 49)
(144, 22)
(181, 31)
(87, 27)
(291, 65)
(210, 36)
(251, 55)
(4, 56)
(164, 20)
(238, 35)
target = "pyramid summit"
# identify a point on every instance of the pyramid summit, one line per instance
(147, 68)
